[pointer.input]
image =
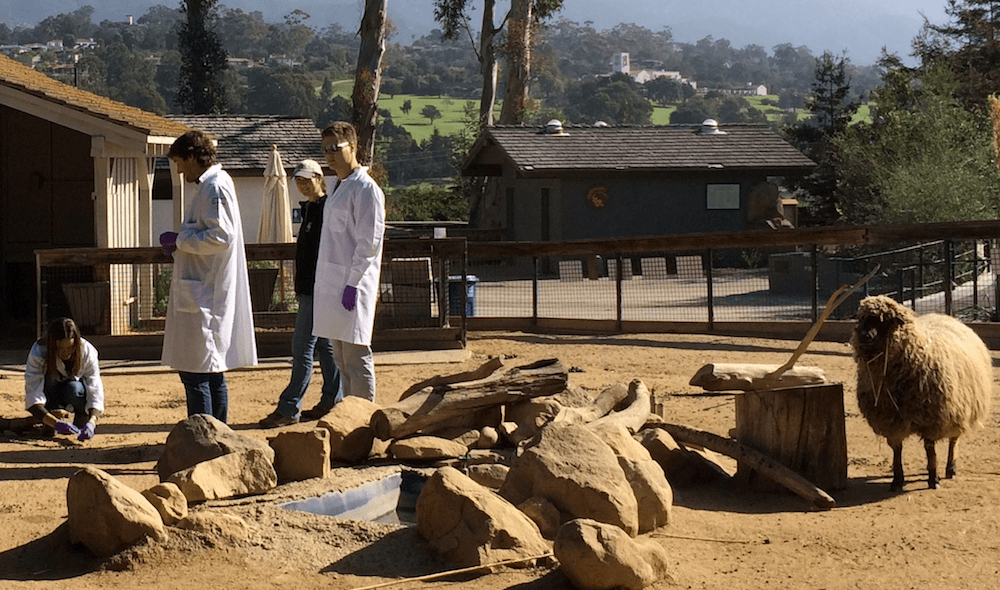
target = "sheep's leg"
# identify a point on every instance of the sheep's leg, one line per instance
(949, 469)
(897, 466)
(932, 476)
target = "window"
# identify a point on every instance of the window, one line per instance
(723, 196)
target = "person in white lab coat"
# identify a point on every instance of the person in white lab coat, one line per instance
(209, 327)
(62, 373)
(349, 262)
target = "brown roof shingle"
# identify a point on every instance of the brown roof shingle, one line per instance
(20, 77)
(650, 148)
(245, 140)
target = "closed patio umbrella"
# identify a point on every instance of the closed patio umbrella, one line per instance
(275, 212)
(275, 217)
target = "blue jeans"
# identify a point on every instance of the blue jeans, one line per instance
(357, 369)
(206, 394)
(63, 395)
(304, 347)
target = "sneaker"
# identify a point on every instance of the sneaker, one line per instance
(274, 420)
(314, 413)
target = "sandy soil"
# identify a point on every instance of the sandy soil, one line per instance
(721, 537)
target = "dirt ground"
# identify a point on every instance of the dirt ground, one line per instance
(721, 536)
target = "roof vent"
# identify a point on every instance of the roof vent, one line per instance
(600, 124)
(710, 127)
(554, 127)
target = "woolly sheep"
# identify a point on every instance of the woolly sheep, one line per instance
(930, 375)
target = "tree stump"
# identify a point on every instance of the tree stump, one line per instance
(800, 427)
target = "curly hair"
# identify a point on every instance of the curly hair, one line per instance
(194, 144)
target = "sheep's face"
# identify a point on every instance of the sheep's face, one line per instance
(872, 332)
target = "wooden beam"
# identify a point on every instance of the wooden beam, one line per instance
(823, 236)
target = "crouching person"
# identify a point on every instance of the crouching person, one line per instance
(62, 373)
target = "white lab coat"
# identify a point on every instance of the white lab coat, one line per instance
(209, 327)
(35, 369)
(350, 253)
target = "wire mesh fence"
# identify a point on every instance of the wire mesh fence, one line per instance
(433, 285)
(737, 284)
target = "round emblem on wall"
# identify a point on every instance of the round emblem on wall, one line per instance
(597, 197)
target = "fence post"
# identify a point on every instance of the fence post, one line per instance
(619, 314)
(975, 275)
(710, 290)
(814, 292)
(534, 291)
(949, 273)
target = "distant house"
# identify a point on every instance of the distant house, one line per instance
(748, 90)
(76, 170)
(621, 64)
(244, 147)
(586, 182)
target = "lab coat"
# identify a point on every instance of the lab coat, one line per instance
(209, 327)
(35, 369)
(350, 253)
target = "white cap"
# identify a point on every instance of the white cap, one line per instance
(308, 169)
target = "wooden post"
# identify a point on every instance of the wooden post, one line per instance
(800, 427)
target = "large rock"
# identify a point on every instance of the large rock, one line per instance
(652, 491)
(470, 525)
(233, 474)
(350, 435)
(662, 447)
(682, 465)
(169, 501)
(426, 448)
(490, 475)
(219, 524)
(106, 515)
(577, 472)
(597, 556)
(301, 455)
(199, 438)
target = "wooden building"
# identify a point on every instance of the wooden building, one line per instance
(590, 182)
(76, 170)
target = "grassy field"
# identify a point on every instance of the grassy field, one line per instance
(451, 109)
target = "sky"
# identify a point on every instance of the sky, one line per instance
(858, 27)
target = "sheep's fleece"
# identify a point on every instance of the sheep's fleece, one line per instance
(929, 375)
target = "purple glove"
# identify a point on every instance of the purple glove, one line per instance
(87, 432)
(64, 427)
(350, 297)
(168, 240)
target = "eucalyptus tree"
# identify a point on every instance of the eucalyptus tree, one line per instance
(201, 90)
(368, 76)
(520, 23)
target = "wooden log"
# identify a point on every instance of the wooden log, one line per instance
(635, 414)
(605, 402)
(801, 427)
(433, 405)
(753, 377)
(762, 463)
(484, 371)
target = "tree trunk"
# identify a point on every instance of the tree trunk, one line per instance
(519, 28)
(433, 405)
(489, 65)
(751, 377)
(801, 427)
(368, 77)
(748, 456)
